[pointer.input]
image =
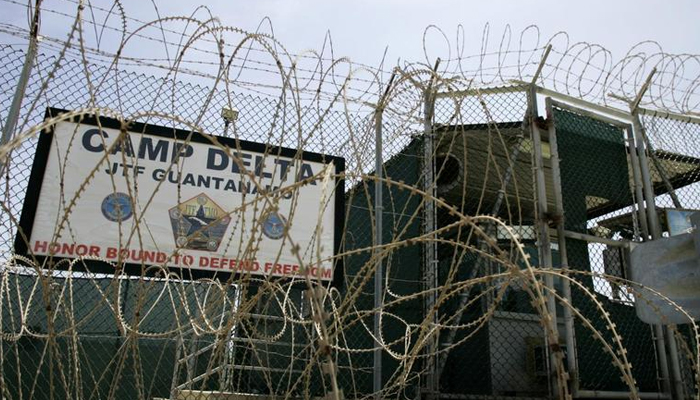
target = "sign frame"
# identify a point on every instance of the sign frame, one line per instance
(38, 170)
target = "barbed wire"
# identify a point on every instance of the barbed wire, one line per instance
(99, 330)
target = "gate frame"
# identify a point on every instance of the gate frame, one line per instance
(639, 167)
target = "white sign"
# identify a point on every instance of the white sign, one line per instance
(156, 198)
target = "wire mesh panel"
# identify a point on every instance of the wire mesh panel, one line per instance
(401, 265)
(442, 263)
(76, 334)
(596, 186)
(35, 367)
(674, 160)
(675, 172)
(483, 158)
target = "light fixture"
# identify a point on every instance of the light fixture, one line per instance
(229, 114)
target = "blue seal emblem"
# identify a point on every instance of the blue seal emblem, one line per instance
(117, 207)
(273, 226)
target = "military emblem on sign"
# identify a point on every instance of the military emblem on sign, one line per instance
(273, 225)
(198, 223)
(116, 207)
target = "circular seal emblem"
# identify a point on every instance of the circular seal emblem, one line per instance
(273, 226)
(175, 213)
(117, 207)
(181, 241)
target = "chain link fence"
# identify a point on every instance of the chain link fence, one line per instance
(675, 172)
(481, 329)
(483, 156)
(82, 349)
(597, 179)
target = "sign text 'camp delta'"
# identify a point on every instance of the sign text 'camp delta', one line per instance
(217, 159)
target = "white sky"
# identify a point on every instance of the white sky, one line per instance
(362, 29)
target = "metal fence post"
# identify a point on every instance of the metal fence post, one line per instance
(378, 240)
(179, 344)
(570, 334)
(568, 319)
(644, 221)
(378, 235)
(656, 234)
(13, 113)
(637, 180)
(430, 260)
(647, 184)
(543, 242)
(655, 227)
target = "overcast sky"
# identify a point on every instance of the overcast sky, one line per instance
(362, 29)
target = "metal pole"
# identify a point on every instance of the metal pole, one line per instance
(647, 184)
(655, 228)
(378, 232)
(634, 109)
(541, 65)
(659, 168)
(595, 239)
(430, 259)
(378, 236)
(569, 332)
(430, 250)
(635, 103)
(13, 113)
(579, 102)
(663, 360)
(669, 115)
(675, 363)
(637, 179)
(179, 344)
(545, 249)
(643, 219)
